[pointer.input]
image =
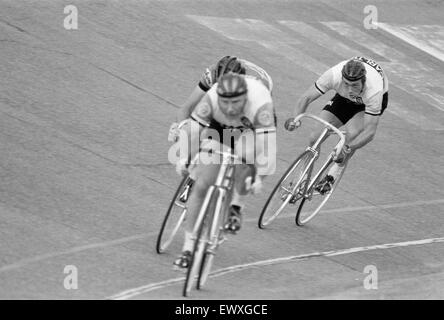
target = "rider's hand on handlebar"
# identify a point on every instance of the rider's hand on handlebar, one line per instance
(174, 132)
(181, 167)
(290, 125)
(254, 187)
(342, 155)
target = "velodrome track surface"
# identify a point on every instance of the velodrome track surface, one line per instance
(85, 178)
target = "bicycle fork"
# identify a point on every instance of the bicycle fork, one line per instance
(223, 184)
(220, 186)
(216, 226)
(309, 168)
(316, 177)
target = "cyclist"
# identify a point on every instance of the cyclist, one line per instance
(208, 79)
(241, 106)
(361, 97)
(210, 76)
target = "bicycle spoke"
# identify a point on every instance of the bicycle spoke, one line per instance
(315, 201)
(289, 189)
(174, 217)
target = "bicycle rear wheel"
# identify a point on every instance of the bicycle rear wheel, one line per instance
(290, 188)
(314, 200)
(200, 244)
(173, 219)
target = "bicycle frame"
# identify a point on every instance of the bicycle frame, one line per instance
(303, 185)
(314, 150)
(222, 185)
(208, 241)
(329, 127)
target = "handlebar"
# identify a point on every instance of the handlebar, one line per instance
(229, 155)
(340, 145)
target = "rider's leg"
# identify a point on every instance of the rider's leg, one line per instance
(331, 114)
(353, 128)
(206, 174)
(340, 111)
(241, 173)
(330, 118)
(244, 148)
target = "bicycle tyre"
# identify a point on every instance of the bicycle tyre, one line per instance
(265, 218)
(302, 220)
(207, 263)
(198, 249)
(171, 222)
(215, 230)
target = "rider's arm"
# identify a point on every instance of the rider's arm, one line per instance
(308, 97)
(265, 140)
(370, 126)
(205, 83)
(325, 83)
(191, 131)
(203, 113)
(373, 110)
(187, 108)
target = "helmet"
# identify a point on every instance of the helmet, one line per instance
(354, 70)
(231, 85)
(229, 64)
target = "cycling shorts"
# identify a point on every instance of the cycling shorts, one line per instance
(344, 109)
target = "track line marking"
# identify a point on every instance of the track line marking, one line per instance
(26, 261)
(320, 38)
(366, 208)
(265, 35)
(42, 257)
(414, 117)
(127, 294)
(414, 35)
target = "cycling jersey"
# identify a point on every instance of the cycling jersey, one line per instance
(376, 85)
(258, 112)
(209, 76)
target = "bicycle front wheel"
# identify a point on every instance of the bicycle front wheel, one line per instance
(215, 235)
(289, 189)
(200, 242)
(173, 219)
(207, 263)
(315, 197)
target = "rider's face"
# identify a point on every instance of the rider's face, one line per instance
(353, 88)
(232, 107)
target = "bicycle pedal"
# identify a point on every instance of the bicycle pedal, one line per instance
(293, 200)
(230, 230)
(179, 269)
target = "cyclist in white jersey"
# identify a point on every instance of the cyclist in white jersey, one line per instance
(361, 97)
(239, 108)
(209, 77)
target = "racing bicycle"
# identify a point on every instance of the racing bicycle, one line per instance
(303, 182)
(208, 231)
